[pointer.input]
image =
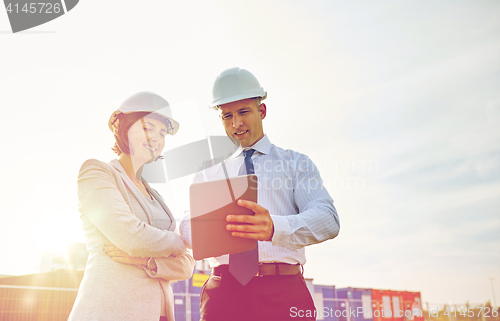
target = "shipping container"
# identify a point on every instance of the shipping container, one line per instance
(412, 304)
(325, 302)
(357, 304)
(187, 296)
(391, 305)
(50, 297)
(382, 305)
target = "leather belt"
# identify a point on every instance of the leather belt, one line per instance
(264, 269)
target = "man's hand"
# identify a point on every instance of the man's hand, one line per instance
(121, 257)
(259, 226)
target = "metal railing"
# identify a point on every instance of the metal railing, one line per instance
(30, 303)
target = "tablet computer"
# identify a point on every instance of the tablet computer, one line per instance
(210, 203)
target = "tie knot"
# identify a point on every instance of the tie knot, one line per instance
(248, 153)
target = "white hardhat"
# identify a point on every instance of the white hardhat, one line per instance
(145, 101)
(235, 84)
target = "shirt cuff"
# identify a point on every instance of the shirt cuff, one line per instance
(281, 230)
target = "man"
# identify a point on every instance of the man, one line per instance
(293, 210)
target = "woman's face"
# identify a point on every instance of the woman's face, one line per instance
(146, 139)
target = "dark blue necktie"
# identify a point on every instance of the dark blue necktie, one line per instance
(245, 265)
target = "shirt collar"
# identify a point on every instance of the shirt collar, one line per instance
(263, 146)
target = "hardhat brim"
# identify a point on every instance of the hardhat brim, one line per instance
(217, 102)
(175, 124)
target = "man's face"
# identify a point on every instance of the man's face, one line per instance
(242, 121)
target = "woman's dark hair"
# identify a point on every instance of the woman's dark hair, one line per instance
(125, 121)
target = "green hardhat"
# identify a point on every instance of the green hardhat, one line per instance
(235, 84)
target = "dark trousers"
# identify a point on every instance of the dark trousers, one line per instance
(273, 297)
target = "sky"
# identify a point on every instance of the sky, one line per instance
(397, 103)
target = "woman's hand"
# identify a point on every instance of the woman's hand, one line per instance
(121, 257)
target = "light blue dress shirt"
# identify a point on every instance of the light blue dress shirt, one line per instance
(291, 189)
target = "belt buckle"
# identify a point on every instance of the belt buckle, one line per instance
(258, 271)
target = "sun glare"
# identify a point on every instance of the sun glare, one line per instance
(56, 233)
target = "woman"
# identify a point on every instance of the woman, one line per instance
(133, 249)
